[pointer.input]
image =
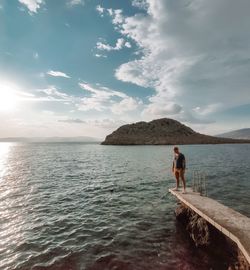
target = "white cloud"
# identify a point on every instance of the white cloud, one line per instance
(101, 91)
(47, 112)
(161, 110)
(142, 4)
(53, 94)
(72, 121)
(116, 14)
(100, 9)
(92, 103)
(107, 123)
(104, 47)
(57, 74)
(102, 98)
(183, 58)
(211, 108)
(100, 55)
(127, 44)
(188, 117)
(120, 43)
(126, 105)
(75, 2)
(130, 72)
(32, 5)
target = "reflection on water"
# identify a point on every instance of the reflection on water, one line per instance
(12, 212)
(4, 152)
(77, 206)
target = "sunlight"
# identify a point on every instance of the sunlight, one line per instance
(8, 96)
(4, 152)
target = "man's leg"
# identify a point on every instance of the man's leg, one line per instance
(183, 179)
(177, 176)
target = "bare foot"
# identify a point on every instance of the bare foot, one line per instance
(175, 189)
(184, 192)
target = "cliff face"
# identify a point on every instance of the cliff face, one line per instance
(161, 131)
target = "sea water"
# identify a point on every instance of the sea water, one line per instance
(87, 206)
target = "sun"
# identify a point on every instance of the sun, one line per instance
(8, 96)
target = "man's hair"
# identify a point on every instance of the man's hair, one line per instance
(176, 148)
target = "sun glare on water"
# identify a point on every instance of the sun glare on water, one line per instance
(8, 96)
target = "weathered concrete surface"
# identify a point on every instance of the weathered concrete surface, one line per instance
(231, 223)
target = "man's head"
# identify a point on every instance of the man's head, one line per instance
(176, 149)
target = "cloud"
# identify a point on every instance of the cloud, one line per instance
(32, 5)
(142, 4)
(118, 18)
(75, 2)
(127, 44)
(72, 121)
(99, 99)
(107, 123)
(116, 14)
(126, 105)
(162, 109)
(102, 98)
(100, 55)
(94, 97)
(130, 72)
(191, 52)
(188, 117)
(53, 94)
(57, 74)
(101, 91)
(92, 103)
(47, 112)
(120, 44)
(209, 109)
(100, 9)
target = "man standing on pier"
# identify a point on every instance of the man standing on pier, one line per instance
(178, 168)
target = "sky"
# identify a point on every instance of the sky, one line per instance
(86, 67)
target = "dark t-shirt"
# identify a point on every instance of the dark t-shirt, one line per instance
(179, 161)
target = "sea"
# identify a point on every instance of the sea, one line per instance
(70, 206)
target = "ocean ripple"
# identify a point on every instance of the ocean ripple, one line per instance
(79, 206)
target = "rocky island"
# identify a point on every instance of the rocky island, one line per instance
(162, 132)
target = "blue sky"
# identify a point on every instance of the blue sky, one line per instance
(83, 68)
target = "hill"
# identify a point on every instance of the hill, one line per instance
(237, 134)
(160, 132)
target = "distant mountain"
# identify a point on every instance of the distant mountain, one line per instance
(237, 134)
(50, 139)
(162, 131)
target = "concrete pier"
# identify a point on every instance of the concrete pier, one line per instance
(231, 223)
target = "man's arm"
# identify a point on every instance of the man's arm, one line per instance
(184, 163)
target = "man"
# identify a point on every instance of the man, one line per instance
(178, 169)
